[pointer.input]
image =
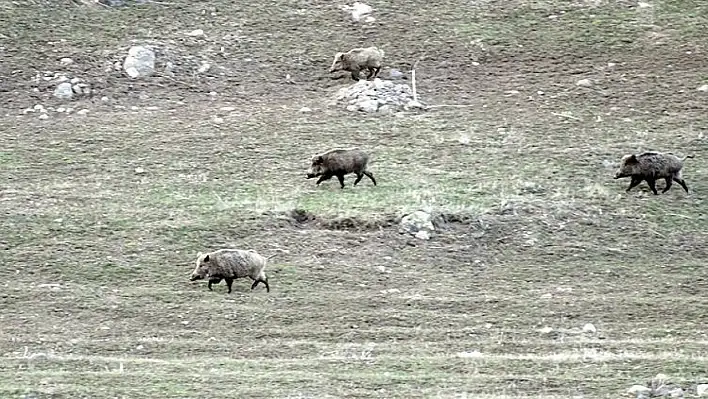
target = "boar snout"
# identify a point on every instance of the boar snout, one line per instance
(195, 277)
(311, 176)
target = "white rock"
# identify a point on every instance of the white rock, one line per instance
(61, 109)
(642, 4)
(352, 107)
(382, 269)
(76, 89)
(305, 109)
(369, 105)
(218, 120)
(196, 32)
(38, 107)
(75, 81)
(386, 109)
(676, 393)
(140, 62)
(416, 221)
(589, 328)
(702, 390)
(358, 10)
(204, 67)
(638, 390)
(545, 330)
(584, 83)
(82, 112)
(412, 104)
(43, 116)
(66, 61)
(63, 91)
(703, 88)
(369, 19)
(139, 171)
(422, 235)
(105, 99)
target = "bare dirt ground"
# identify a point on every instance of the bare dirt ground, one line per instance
(537, 241)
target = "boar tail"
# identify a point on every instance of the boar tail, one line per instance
(686, 157)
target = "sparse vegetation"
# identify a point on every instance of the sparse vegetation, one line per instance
(103, 214)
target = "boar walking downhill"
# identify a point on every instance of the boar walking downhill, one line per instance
(652, 166)
(340, 162)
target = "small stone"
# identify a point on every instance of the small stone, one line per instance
(415, 222)
(75, 81)
(77, 89)
(589, 328)
(305, 109)
(38, 107)
(642, 4)
(422, 235)
(352, 108)
(204, 67)
(105, 99)
(545, 330)
(382, 269)
(702, 390)
(139, 171)
(369, 19)
(227, 109)
(703, 88)
(140, 62)
(196, 32)
(63, 91)
(369, 106)
(43, 116)
(218, 120)
(676, 393)
(61, 109)
(66, 61)
(638, 390)
(413, 105)
(395, 74)
(386, 109)
(82, 112)
(584, 83)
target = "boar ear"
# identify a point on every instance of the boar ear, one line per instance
(632, 159)
(206, 258)
(317, 159)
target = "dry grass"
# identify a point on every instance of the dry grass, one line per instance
(97, 304)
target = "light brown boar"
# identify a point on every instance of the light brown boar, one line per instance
(357, 60)
(230, 264)
(651, 166)
(340, 162)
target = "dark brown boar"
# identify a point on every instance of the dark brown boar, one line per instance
(340, 162)
(651, 166)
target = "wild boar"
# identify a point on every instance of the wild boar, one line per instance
(340, 162)
(651, 166)
(358, 59)
(230, 264)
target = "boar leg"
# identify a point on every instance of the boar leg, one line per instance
(370, 176)
(635, 181)
(371, 72)
(255, 283)
(652, 185)
(213, 281)
(358, 178)
(355, 75)
(229, 281)
(323, 178)
(669, 182)
(682, 183)
(341, 179)
(376, 72)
